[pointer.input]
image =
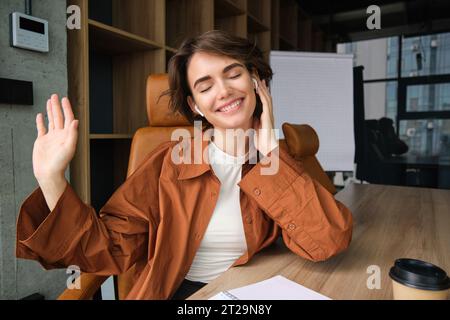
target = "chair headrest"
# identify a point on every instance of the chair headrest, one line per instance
(301, 139)
(158, 112)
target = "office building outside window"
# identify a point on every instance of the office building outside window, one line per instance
(407, 79)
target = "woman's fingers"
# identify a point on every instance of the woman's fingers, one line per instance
(262, 90)
(266, 99)
(56, 118)
(51, 125)
(265, 92)
(269, 100)
(68, 113)
(57, 114)
(40, 125)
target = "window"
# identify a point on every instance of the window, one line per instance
(392, 57)
(380, 99)
(430, 137)
(407, 79)
(428, 97)
(372, 54)
(426, 55)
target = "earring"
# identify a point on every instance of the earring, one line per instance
(255, 83)
(198, 110)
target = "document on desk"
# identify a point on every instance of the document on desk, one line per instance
(275, 288)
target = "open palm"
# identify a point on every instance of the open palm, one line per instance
(54, 149)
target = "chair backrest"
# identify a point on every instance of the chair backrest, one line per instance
(162, 123)
(301, 142)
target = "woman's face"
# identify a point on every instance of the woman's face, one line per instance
(223, 90)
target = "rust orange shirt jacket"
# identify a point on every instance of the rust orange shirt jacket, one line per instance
(158, 216)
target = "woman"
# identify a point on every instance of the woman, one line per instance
(184, 223)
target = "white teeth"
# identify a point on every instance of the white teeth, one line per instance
(231, 106)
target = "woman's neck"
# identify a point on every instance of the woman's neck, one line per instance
(234, 142)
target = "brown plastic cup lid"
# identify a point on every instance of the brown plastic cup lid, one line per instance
(419, 274)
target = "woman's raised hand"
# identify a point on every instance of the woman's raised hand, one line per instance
(54, 147)
(264, 139)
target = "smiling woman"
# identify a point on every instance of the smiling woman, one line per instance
(181, 225)
(214, 71)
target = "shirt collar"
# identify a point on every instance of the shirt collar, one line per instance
(196, 166)
(199, 166)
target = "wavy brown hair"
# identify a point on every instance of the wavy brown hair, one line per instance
(215, 42)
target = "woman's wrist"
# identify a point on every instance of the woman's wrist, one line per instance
(51, 179)
(52, 188)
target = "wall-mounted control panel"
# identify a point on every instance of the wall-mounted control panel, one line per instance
(28, 32)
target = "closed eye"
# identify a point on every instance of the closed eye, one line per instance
(233, 77)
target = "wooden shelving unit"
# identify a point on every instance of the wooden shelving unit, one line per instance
(275, 24)
(121, 42)
(228, 8)
(231, 16)
(292, 29)
(111, 40)
(304, 32)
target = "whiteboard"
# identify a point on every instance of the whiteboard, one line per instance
(317, 89)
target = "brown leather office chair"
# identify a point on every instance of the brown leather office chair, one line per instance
(301, 142)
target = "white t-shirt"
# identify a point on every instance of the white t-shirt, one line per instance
(224, 240)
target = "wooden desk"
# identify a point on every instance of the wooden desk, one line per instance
(390, 222)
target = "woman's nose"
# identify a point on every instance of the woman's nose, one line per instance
(224, 90)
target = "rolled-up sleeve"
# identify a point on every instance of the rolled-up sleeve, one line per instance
(73, 234)
(314, 225)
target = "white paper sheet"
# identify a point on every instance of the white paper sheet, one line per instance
(275, 288)
(317, 89)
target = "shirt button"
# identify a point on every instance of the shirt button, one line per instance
(249, 220)
(291, 226)
(257, 191)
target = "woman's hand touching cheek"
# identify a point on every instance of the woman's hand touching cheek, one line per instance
(264, 139)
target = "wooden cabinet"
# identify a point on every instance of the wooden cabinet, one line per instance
(121, 42)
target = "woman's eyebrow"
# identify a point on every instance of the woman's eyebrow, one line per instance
(226, 69)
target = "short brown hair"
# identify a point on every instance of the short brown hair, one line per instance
(216, 42)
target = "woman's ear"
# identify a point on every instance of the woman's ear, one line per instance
(193, 106)
(191, 103)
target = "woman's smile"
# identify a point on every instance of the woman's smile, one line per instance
(231, 108)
